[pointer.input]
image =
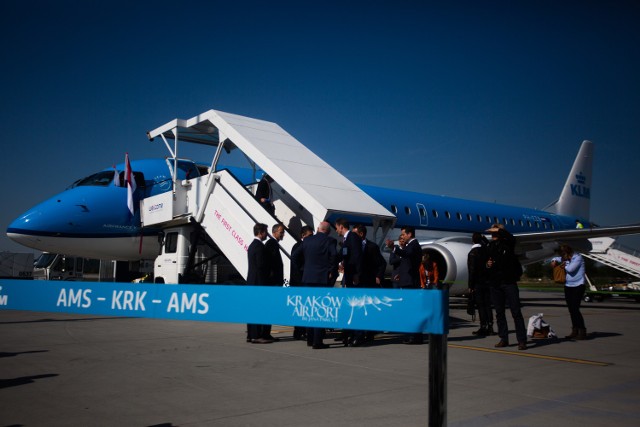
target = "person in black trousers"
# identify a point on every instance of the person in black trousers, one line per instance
(503, 269)
(349, 254)
(257, 275)
(411, 253)
(264, 194)
(478, 285)
(275, 267)
(317, 256)
(295, 276)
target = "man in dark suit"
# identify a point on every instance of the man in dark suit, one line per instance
(257, 275)
(349, 254)
(295, 276)
(317, 255)
(325, 228)
(412, 253)
(264, 194)
(275, 267)
(373, 265)
(372, 268)
(400, 277)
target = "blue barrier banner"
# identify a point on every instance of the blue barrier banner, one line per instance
(397, 310)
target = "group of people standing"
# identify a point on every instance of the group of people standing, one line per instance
(494, 271)
(316, 261)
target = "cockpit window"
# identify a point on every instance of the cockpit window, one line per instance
(102, 179)
(44, 260)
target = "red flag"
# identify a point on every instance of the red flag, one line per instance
(130, 182)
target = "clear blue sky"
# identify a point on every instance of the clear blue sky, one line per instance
(483, 100)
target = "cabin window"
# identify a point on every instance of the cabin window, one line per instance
(171, 243)
(488, 218)
(447, 214)
(529, 223)
(479, 218)
(422, 212)
(434, 213)
(459, 216)
(394, 209)
(521, 223)
(407, 210)
(537, 224)
(504, 221)
(495, 220)
(469, 218)
(512, 221)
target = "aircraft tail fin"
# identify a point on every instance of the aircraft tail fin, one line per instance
(575, 199)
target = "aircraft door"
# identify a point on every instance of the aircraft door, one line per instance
(422, 213)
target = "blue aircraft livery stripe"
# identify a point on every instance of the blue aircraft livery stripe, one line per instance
(395, 310)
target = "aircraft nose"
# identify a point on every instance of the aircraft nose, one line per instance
(55, 217)
(22, 229)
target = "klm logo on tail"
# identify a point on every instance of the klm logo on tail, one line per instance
(579, 189)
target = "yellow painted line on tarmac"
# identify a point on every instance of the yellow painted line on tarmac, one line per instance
(533, 355)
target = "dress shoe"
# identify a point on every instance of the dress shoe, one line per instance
(482, 332)
(573, 334)
(273, 339)
(320, 346)
(261, 341)
(582, 334)
(502, 343)
(522, 346)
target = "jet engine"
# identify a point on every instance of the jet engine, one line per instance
(451, 257)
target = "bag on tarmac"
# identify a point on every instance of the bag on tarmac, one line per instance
(538, 328)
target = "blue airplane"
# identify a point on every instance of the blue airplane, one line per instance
(90, 219)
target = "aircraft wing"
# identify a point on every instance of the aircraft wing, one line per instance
(578, 238)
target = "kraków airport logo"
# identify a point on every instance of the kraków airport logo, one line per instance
(326, 308)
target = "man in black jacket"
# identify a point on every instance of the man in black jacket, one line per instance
(478, 285)
(372, 265)
(503, 270)
(350, 254)
(275, 267)
(317, 255)
(257, 275)
(411, 254)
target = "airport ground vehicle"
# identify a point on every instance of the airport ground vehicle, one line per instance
(16, 265)
(50, 266)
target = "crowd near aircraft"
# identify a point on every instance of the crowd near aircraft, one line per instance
(91, 218)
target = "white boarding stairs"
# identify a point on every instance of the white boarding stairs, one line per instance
(606, 251)
(306, 190)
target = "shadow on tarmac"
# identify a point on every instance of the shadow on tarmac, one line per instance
(13, 382)
(65, 320)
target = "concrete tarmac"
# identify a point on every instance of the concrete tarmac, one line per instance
(71, 370)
